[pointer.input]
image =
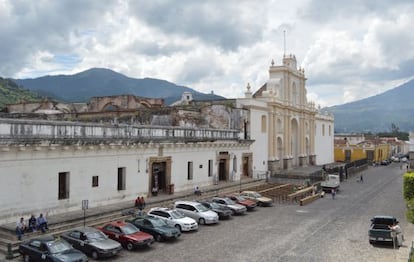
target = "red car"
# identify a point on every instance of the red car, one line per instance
(249, 204)
(127, 234)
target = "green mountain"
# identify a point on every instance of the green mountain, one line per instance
(378, 113)
(11, 93)
(82, 86)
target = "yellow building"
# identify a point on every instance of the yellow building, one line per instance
(372, 150)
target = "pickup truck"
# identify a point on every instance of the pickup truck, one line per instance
(380, 231)
(331, 182)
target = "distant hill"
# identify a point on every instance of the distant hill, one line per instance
(11, 93)
(377, 113)
(82, 86)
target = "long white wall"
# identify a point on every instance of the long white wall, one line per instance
(29, 174)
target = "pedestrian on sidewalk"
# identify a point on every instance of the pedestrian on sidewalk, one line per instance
(20, 228)
(42, 223)
(143, 204)
(361, 178)
(333, 193)
(32, 223)
(138, 202)
(197, 191)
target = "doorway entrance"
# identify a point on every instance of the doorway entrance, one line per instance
(247, 165)
(159, 175)
(223, 166)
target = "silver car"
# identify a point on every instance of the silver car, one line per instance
(197, 211)
(225, 201)
(92, 242)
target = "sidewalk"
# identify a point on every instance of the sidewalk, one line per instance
(123, 206)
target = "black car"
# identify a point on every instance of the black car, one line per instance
(92, 242)
(155, 226)
(47, 248)
(222, 211)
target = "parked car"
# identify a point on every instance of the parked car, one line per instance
(174, 218)
(48, 248)
(127, 234)
(92, 242)
(155, 226)
(223, 212)
(249, 204)
(225, 201)
(197, 211)
(257, 197)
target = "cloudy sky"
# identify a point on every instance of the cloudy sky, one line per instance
(349, 49)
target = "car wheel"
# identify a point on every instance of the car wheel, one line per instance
(201, 221)
(158, 237)
(259, 204)
(178, 227)
(130, 246)
(26, 258)
(95, 255)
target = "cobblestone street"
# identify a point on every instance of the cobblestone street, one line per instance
(325, 230)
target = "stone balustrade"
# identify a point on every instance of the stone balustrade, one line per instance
(35, 131)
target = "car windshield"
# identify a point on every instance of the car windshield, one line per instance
(129, 229)
(214, 205)
(201, 208)
(96, 236)
(176, 215)
(257, 195)
(229, 201)
(58, 246)
(157, 222)
(240, 198)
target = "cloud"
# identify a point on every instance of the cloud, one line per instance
(349, 49)
(40, 26)
(225, 24)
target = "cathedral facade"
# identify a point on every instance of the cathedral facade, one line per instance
(285, 126)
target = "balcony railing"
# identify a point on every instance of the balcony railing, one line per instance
(35, 131)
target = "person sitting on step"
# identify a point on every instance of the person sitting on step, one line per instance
(197, 191)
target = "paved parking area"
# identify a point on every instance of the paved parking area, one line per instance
(325, 230)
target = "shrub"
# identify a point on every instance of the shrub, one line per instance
(408, 186)
(408, 193)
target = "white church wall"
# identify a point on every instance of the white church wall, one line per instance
(324, 140)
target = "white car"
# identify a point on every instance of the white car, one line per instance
(197, 211)
(174, 218)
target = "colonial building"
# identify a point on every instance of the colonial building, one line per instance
(287, 129)
(350, 147)
(112, 149)
(51, 166)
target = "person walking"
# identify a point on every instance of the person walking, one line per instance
(333, 193)
(361, 179)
